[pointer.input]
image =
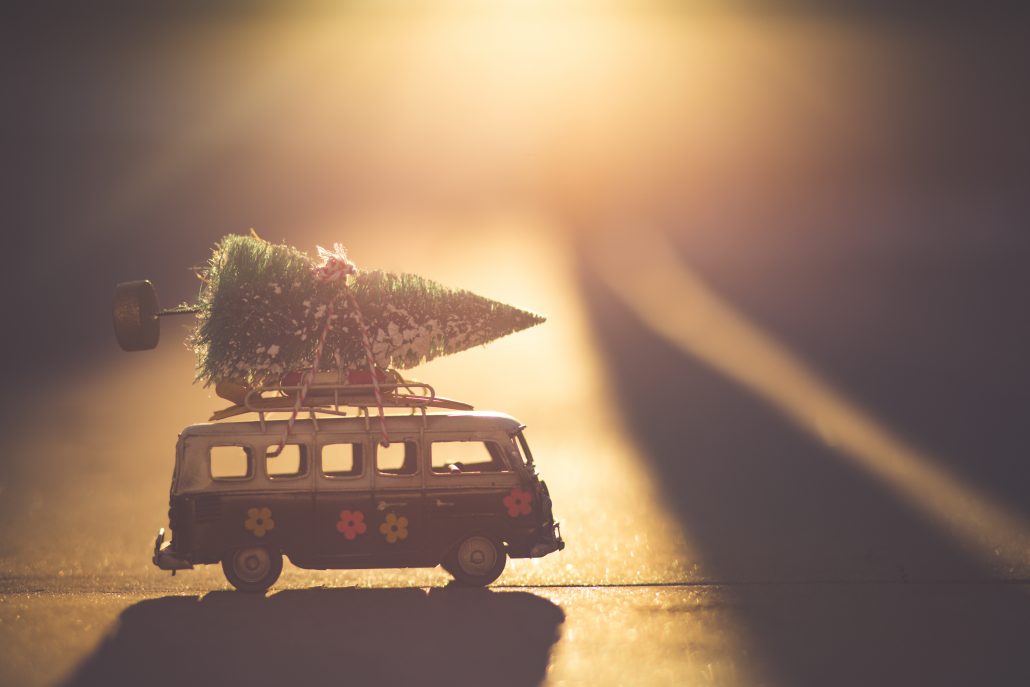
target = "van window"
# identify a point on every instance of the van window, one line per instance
(291, 462)
(343, 460)
(399, 458)
(230, 462)
(463, 457)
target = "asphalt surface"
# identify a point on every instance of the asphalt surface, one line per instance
(850, 634)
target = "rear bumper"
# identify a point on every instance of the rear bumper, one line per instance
(547, 542)
(165, 558)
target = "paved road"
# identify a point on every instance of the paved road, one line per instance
(319, 635)
(817, 633)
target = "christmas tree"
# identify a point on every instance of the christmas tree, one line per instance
(262, 312)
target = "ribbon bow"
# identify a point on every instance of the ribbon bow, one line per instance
(335, 264)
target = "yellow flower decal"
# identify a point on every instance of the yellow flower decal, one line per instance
(394, 528)
(259, 521)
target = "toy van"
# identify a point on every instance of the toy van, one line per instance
(456, 489)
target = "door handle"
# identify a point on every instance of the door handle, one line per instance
(383, 505)
(443, 503)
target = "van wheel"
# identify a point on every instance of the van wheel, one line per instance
(252, 569)
(476, 561)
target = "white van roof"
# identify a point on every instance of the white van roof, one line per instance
(477, 421)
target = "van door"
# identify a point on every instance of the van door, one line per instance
(398, 529)
(344, 518)
(466, 487)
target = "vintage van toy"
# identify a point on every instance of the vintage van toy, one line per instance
(457, 489)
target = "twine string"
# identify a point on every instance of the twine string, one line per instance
(336, 267)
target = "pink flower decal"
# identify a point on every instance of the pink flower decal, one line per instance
(518, 502)
(351, 523)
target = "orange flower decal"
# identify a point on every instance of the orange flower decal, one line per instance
(394, 528)
(518, 503)
(259, 521)
(351, 524)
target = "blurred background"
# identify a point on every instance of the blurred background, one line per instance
(782, 249)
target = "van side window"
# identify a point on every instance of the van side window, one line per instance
(230, 462)
(464, 457)
(399, 458)
(292, 462)
(343, 460)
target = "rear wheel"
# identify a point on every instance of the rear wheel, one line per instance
(252, 569)
(476, 561)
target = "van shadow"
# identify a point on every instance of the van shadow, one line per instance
(447, 636)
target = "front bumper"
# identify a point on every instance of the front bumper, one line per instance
(165, 558)
(549, 541)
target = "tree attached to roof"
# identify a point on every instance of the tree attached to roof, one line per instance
(262, 312)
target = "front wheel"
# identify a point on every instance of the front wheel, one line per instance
(476, 561)
(252, 569)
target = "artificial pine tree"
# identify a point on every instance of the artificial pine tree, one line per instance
(262, 311)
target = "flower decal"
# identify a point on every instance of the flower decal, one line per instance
(351, 523)
(259, 521)
(394, 528)
(518, 503)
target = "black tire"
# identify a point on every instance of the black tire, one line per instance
(252, 568)
(476, 561)
(136, 325)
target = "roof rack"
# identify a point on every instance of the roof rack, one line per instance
(329, 398)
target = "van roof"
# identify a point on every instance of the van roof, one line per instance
(458, 421)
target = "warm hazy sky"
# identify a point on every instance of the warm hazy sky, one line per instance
(135, 136)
